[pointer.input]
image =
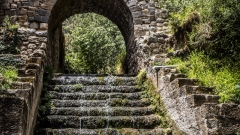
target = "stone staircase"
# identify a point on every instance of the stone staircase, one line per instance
(98, 105)
(194, 109)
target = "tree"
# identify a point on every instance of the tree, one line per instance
(93, 44)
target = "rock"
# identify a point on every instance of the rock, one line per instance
(34, 25)
(41, 32)
(43, 26)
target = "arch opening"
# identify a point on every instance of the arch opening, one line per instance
(117, 11)
(93, 45)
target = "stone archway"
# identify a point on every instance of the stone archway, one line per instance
(141, 22)
(117, 11)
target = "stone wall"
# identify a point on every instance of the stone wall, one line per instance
(193, 108)
(40, 21)
(18, 106)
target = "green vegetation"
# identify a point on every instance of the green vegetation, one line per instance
(9, 38)
(8, 45)
(223, 79)
(209, 33)
(212, 26)
(77, 86)
(9, 75)
(93, 45)
(150, 92)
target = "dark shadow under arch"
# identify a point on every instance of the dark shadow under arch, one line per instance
(115, 10)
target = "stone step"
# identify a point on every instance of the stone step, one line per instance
(93, 88)
(177, 75)
(94, 122)
(199, 99)
(22, 85)
(35, 60)
(20, 93)
(179, 82)
(114, 102)
(26, 79)
(104, 131)
(29, 72)
(92, 80)
(103, 111)
(94, 96)
(31, 66)
(196, 89)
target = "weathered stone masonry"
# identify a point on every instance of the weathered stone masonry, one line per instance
(145, 29)
(42, 39)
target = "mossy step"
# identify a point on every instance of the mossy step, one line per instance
(113, 102)
(94, 122)
(93, 88)
(94, 95)
(199, 99)
(91, 80)
(103, 111)
(104, 131)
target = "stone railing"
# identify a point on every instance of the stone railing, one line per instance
(18, 106)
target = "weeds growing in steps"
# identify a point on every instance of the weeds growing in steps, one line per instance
(213, 73)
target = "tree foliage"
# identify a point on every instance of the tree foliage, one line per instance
(93, 44)
(209, 25)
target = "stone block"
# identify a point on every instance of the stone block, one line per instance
(34, 25)
(43, 26)
(26, 4)
(19, 4)
(32, 46)
(160, 20)
(31, 13)
(137, 21)
(13, 12)
(135, 8)
(137, 14)
(23, 18)
(23, 11)
(13, 5)
(26, 24)
(41, 19)
(41, 32)
(43, 46)
(146, 21)
(152, 18)
(42, 12)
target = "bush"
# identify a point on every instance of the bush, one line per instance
(212, 26)
(9, 75)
